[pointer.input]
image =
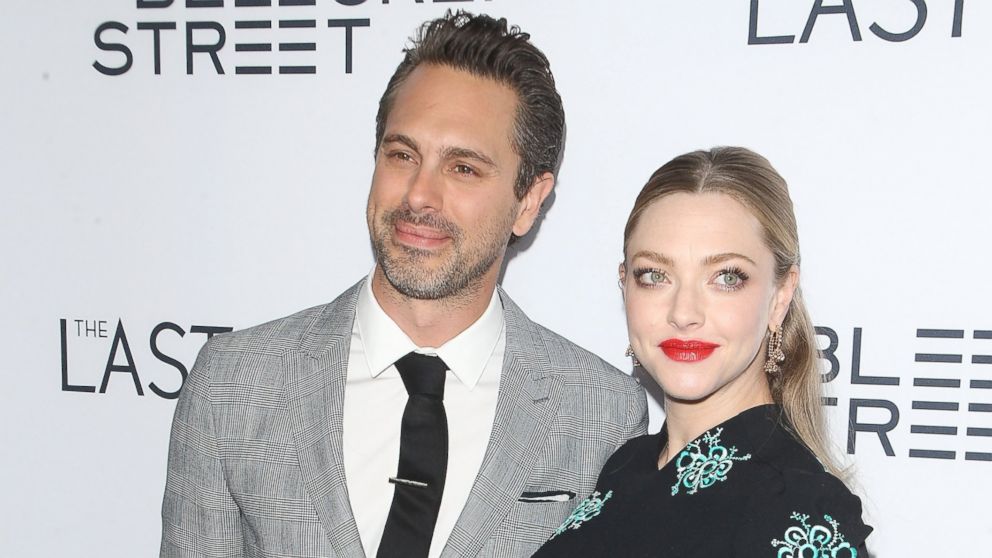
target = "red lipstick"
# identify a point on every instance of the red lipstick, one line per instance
(687, 350)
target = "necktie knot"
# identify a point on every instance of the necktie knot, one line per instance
(423, 374)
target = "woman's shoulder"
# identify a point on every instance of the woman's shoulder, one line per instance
(792, 500)
(775, 451)
(800, 507)
(799, 503)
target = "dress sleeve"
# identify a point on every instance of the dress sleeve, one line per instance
(798, 512)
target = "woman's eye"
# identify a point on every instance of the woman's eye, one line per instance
(731, 279)
(650, 277)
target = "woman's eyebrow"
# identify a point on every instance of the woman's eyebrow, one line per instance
(720, 258)
(654, 256)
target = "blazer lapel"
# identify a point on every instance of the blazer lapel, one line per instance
(315, 381)
(526, 406)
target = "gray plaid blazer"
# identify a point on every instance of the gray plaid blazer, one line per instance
(255, 460)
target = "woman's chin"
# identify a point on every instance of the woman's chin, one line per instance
(687, 395)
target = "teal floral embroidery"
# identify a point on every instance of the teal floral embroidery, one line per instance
(698, 469)
(814, 541)
(588, 509)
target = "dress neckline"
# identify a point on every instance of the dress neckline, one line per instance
(740, 426)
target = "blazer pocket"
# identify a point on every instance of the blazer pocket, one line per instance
(546, 496)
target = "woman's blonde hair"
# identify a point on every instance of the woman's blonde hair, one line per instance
(751, 180)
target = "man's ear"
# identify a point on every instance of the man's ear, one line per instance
(530, 205)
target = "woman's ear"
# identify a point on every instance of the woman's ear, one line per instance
(783, 297)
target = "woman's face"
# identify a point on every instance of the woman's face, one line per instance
(700, 294)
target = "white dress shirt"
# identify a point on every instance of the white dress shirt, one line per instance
(374, 400)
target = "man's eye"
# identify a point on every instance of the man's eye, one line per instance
(465, 170)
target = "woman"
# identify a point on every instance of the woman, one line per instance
(714, 313)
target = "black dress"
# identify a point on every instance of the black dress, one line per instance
(744, 488)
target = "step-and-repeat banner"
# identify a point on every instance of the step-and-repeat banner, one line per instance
(173, 169)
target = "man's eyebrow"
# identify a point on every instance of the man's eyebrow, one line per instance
(654, 256)
(720, 258)
(466, 153)
(446, 153)
(400, 138)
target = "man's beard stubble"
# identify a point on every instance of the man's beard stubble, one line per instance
(462, 268)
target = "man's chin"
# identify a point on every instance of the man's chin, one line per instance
(419, 288)
(417, 275)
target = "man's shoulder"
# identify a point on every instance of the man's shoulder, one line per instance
(566, 353)
(309, 330)
(565, 358)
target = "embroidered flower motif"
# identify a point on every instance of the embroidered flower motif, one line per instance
(588, 509)
(697, 469)
(814, 541)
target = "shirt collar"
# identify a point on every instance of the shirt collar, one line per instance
(466, 354)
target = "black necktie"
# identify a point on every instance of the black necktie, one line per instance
(419, 481)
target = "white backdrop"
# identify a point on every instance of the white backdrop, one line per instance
(140, 210)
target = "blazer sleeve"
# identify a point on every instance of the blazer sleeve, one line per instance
(199, 516)
(637, 415)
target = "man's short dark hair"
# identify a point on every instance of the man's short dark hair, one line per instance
(486, 47)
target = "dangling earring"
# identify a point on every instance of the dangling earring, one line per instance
(630, 352)
(775, 355)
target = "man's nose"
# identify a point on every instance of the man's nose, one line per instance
(425, 190)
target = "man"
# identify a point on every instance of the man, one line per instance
(338, 431)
